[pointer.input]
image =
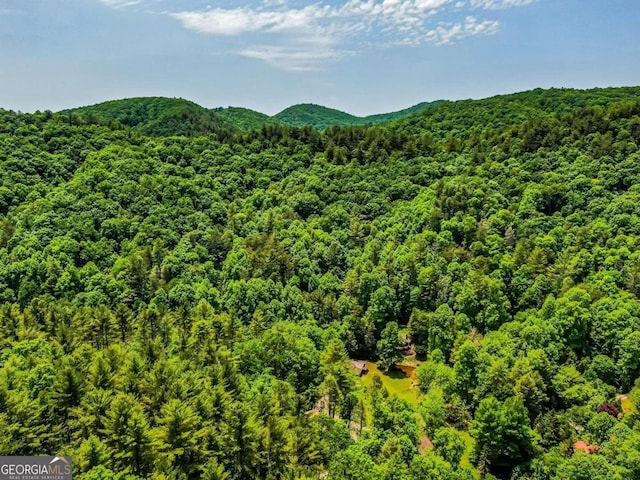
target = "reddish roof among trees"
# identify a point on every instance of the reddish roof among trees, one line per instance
(610, 409)
(425, 445)
(581, 446)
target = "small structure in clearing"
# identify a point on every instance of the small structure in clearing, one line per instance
(359, 367)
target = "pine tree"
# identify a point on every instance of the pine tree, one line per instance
(129, 436)
(180, 436)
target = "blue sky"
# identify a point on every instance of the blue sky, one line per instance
(361, 56)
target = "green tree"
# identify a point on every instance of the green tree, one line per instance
(128, 434)
(353, 464)
(502, 433)
(240, 432)
(180, 436)
(629, 363)
(214, 471)
(449, 444)
(433, 409)
(600, 426)
(466, 369)
(92, 453)
(389, 346)
(589, 467)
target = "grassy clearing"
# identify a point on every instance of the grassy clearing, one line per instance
(469, 442)
(399, 384)
(396, 383)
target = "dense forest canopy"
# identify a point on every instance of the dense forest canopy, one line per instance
(181, 299)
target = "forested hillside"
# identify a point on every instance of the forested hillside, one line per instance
(245, 118)
(322, 117)
(155, 116)
(159, 116)
(181, 307)
(315, 116)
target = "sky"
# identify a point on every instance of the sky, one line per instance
(360, 56)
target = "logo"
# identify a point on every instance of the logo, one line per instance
(35, 468)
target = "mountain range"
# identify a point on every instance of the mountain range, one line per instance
(176, 116)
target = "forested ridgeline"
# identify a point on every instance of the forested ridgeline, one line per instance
(159, 116)
(186, 306)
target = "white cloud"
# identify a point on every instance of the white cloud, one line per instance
(499, 4)
(354, 15)
(314, 33)
(306, 37)
(120, 3)
(220, 21)
(293, 59)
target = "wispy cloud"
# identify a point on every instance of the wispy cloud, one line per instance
(120, 3)
(294, 59)
(446, 33)
(306, 37)
(500, 4)
(10, 11)
(402, 16)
